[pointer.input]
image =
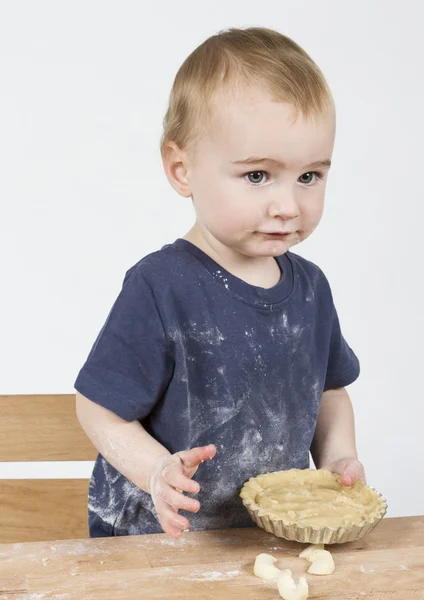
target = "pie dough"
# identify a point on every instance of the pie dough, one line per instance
(312, 497)
(264, 567)
(287, 587)
(322, 562)
(289, 590)
(311, 551)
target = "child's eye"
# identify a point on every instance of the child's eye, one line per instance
(319, 176)
(256, 175)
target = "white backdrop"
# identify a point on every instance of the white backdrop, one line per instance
(84, 88)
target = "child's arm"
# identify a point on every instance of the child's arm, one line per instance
(334, 446)
(143, 460)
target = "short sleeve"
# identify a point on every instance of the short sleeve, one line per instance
(343, 366)
(129, 366)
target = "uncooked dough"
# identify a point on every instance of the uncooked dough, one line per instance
(264, 567)
(309, 552)
(286, 580)
(312, 497)
(322, 562)
(290, 591)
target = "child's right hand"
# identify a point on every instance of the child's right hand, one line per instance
(171, 476)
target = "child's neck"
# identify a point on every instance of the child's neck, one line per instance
(261, 271)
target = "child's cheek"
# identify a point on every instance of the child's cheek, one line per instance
(228, 215)
(312, 217)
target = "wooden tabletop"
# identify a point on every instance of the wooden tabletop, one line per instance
(387, 564)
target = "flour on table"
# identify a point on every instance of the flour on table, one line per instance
(213, 576)
(366, 569)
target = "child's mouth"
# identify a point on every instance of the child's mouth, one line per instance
(277, 234)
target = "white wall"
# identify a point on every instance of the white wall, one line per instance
(84, 88)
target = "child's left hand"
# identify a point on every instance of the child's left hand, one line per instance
(350, 469)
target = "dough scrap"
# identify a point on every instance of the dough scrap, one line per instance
(286, 591)
(286, 579)
(322, 562)
(264, 567)
(310, 550)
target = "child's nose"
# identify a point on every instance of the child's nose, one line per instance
(285, 206)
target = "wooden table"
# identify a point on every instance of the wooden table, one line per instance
(387, 564)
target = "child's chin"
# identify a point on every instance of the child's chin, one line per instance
(255, 248)
(276, 247)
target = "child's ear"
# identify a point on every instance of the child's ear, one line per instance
(175, 163)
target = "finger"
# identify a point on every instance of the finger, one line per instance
(352, 472)
(192, 458)
(171, 522)
(346, 480)
(179, 481)
(178, 520)
(179, 501)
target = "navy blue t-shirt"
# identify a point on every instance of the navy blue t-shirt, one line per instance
(200, 357)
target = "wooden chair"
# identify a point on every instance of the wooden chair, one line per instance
(42, 428)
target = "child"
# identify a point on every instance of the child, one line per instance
(225, 345)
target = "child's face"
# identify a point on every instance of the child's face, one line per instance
(263, 208)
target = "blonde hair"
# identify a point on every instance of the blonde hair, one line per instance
(229, 61)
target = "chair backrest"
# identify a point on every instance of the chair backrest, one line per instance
(42, 428)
